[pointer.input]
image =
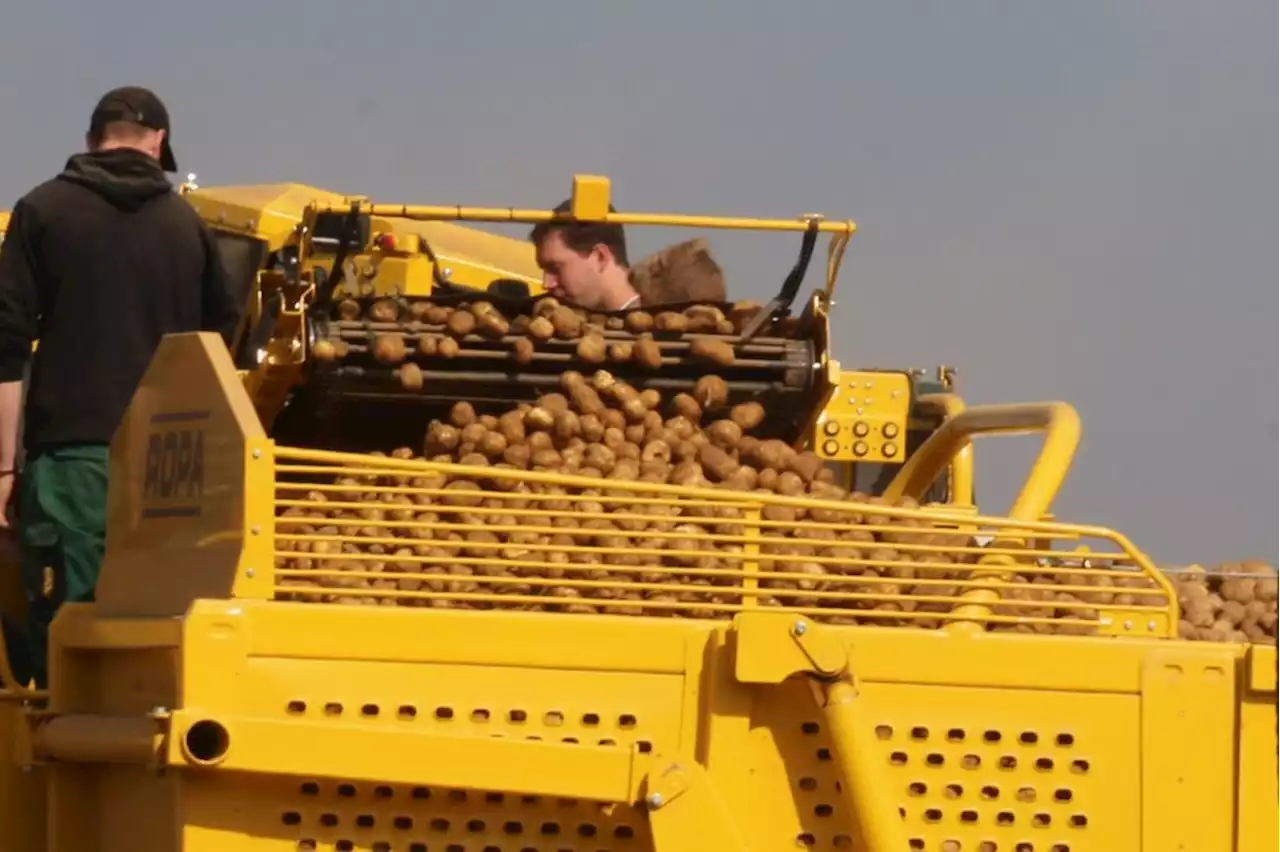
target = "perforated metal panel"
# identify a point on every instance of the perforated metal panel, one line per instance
(994, 770)
(610, 710)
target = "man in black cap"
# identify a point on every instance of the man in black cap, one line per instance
(98, 264)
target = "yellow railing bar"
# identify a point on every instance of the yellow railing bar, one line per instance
(589, 202)
(951, 406)
(533, 216)
(1057, 420)
(348, 464)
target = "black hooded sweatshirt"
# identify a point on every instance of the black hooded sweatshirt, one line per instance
(98, 264)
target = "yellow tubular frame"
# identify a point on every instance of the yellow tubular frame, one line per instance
(1057, 420)
(951, 406)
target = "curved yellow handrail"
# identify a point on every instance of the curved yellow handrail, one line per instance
(951, 406)
(1057, 420)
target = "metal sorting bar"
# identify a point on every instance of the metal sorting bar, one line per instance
(545, 379)
(350, 328)
(571, 358)
(418, 533)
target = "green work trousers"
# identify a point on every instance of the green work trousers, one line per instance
(62, 523)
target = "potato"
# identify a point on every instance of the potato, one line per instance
(462, 414)
(447, 347)
(711, 392)
(384, 310)
(428, 345)
(671, 321)
(748, 415)
(324, 350)
(442, 437)
(709, 349)
(389, 348)
(460, 324)
(348, 310)
(567, 324)
(621, 352)
(646, 352)
(436, 314)
(492, 324)
(688, 408)
(541, 328)
(717, 463)
(639, 322)
(522, 350)
(540, 417)
(410, 376)
(592, 348)
(725, 434)
(584, 397)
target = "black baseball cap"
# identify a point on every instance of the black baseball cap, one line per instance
(141, 106)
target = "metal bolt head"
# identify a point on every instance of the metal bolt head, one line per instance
(250, 573)
(799, 628)
(655, 800)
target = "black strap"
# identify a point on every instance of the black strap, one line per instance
(790, 286)
(350, 228)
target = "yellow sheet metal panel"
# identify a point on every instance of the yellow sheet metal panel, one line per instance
(268, 211)
(183, 475)
(272, 212)
(865, 418)
(1188, 742)
(363, 750)
(1259, 772)
(22, 799)
(966, 766)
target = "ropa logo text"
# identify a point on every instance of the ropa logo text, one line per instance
(175, 465)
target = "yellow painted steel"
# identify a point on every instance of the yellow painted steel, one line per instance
(865, 418)
(1057, 420)
(297, 649)
(960, 470)
(4, 222)
(590, 202)
(467, 256)
(744, 547)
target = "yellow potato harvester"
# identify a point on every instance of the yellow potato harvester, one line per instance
(233, 689)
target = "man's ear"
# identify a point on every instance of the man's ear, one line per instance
(602, 256)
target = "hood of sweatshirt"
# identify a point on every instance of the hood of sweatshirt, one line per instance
(124, 177)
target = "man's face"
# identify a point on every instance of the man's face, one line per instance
(570, 276)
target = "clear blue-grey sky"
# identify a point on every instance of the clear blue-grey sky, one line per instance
(1065, 201)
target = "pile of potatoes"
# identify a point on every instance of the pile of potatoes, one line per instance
(439, 331)
(562, 548)
(1221, 605)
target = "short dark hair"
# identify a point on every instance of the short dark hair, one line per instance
(584, 236)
